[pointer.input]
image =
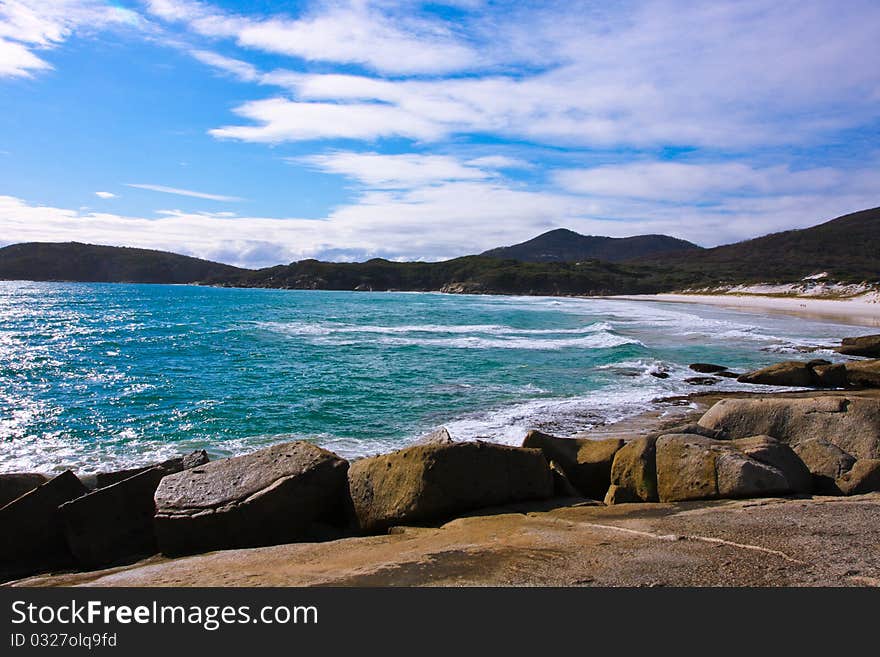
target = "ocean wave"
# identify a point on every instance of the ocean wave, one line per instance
(597, 335)
(325, 328)
(595, 341)
(565, 416)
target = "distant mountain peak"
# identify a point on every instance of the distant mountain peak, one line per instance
(565, 245)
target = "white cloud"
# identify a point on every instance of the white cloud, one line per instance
(436, 207)
(395, 171)
(344, 32)
(283, 120)
(183, 192)
(17, 61)
(105, 195)
(652, 72)
(29, 25)
(500, 162)
(675, 181)
(237, 68)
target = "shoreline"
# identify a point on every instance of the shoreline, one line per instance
(854, 311)
(790, 540)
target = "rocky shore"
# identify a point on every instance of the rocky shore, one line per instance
(755, 480)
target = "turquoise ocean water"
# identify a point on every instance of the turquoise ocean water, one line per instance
(99, 376)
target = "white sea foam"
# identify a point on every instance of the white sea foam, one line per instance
(596, 341)
(325, 328)
(597, 335)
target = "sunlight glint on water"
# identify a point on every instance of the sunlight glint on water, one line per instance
(98, 376)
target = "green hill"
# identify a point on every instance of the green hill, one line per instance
(72, 261)
(562, 245)
(472, 274)
(848, 248)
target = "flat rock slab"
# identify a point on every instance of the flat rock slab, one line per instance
(425, 483)
(32, 536)
(826, 541)
(274, 495)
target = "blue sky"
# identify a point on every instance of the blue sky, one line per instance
(263, 132)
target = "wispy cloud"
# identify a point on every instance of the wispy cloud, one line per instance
(435, 207)
(242, 70)
(647, 73)
(394, 171)
(16, 60)
(676, 181)
(184, 192)
(357, 32)
(105, 195)
(27, 26)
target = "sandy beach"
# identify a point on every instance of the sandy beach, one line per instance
(863, 310)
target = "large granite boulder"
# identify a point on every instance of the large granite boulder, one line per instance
(851, 423)
(826, 462)
(832, 375)
(768, 450)
(634, 472)
(16, 484)
(792, 373)
(426, 483)
(691, 467)
(586, 463)
(32, 536)
(865, 345)
(279, 494)
(113, 524)
(863, 374)
(863, 477)
(171, 466)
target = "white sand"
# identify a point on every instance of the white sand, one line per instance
(863, 310)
